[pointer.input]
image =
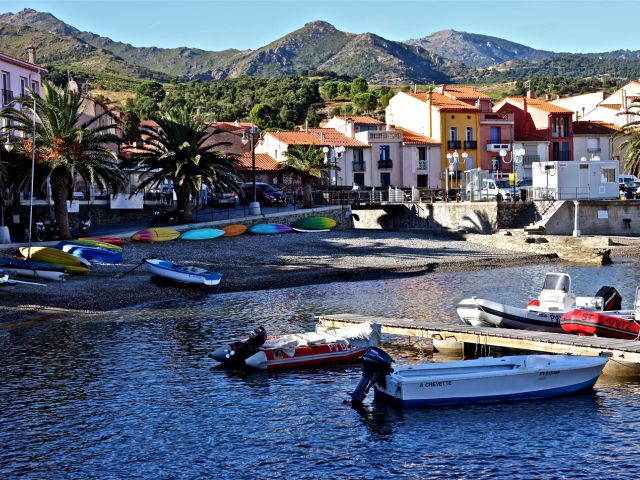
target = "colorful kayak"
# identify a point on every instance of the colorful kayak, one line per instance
(53, 256)
(31, 269)
(234, 230)
(315, 223)
(270, 229)
(159, 234)
(182, 273)
(94, 243)
(109, 240)
(202, 234)
(94, 254)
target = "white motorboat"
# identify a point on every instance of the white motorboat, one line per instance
(542, 314)
(521, 377)
(182, 273)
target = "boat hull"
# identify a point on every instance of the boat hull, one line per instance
(202, 234)
(53, 256)
(315, 223)
(480, 312)
(270, 229)
(585, 322)
(160, 234)
(92, 243)
(181, 273)
(523, 377)
(273, 359)
(234, 230)
(37, 270)
(110, 240)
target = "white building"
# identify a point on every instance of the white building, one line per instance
(581, 105)
(593, 140)
(612, 109)
(576, 180)
(18, 76)
(536, 149)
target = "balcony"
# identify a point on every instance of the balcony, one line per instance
(497, 145)
(470, 144)
(385, 164)
(358, 166)
(422, 165)
(594, 150)
(454, 144)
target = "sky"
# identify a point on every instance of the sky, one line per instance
(560, 25)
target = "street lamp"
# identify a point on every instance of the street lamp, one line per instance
(249, 135)
(516, 156)
(454, 158)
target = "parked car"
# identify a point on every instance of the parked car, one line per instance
(265, 194)
(491, 189)
(219, 197)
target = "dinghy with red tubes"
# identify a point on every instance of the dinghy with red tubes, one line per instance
(622, 325)
(587, 323)
(299, 350)
(541, 314)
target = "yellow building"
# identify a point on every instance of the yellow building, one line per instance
(454, 123)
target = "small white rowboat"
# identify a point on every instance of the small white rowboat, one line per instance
(182, 273)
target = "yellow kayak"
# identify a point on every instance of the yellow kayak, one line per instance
(97, 243)
(160, 234)
(75, 265)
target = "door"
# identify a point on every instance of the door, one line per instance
(385, 179)
(494, 135)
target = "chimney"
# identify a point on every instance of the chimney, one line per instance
(531, 94)
(547, 97)
(526, 120)
(441, 88)
(31, 51)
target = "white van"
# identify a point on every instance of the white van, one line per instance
(627, 179)
(491, 188)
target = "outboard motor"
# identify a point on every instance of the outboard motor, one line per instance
(376, 364)
(612, 299)
(235, 357)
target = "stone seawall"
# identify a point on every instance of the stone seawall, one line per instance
(613, 217)
(477, 217)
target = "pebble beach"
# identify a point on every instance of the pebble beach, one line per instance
(256, 262)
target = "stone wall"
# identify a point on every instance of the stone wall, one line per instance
(597, 217)
(478, 217)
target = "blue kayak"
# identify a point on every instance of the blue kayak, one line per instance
(95, 254)
(202, 234)
(31, 269)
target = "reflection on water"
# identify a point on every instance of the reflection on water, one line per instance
(133, 395)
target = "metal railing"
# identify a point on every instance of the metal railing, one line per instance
(385, 163)
(453, 144)
(470, 144)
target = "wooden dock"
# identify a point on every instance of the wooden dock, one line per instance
(624, 351)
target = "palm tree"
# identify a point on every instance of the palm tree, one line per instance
(65, 146)
(309, 164)
(630, 143)
(181, 148)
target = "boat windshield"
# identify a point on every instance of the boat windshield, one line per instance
(554, 281)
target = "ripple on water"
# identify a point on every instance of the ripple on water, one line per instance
(133, 395)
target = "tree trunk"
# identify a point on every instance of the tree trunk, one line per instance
(183, 201)
(59, 192)
(307, 198)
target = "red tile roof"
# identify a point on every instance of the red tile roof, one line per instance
(538, 104)
(264, 162)
(317, 136)
(594, 128)
(413, 138)
(529, 137)
(462, 92)
(442, 102)
(364, 119)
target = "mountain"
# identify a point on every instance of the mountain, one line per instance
(444, 56)
(318, 46)
(476, 50)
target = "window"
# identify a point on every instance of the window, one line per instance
(453, 134)
(593, 145)
(24, 85)
(608, 175)
(555, 151)
(385, 179)
(6, 89)
(423, 181)
(494, 135)
(35, 86)
(358, 155)
(385, 152)
(496, 163)
(469, 134)
(358, 179)
(421, 155)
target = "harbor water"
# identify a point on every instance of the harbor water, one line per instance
(133, 395)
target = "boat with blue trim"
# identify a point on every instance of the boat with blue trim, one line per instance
(182, 273)
(518, 377)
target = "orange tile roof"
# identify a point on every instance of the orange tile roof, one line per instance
(594, 128)
(413, 138)
(467, 93)
(538, 104)
(264, 162)
(317, 136)
(611, 106)
(529, 137)
(442, 102)
(364, 119)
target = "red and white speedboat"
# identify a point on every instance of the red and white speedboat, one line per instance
(299, 350)
(604, 324)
